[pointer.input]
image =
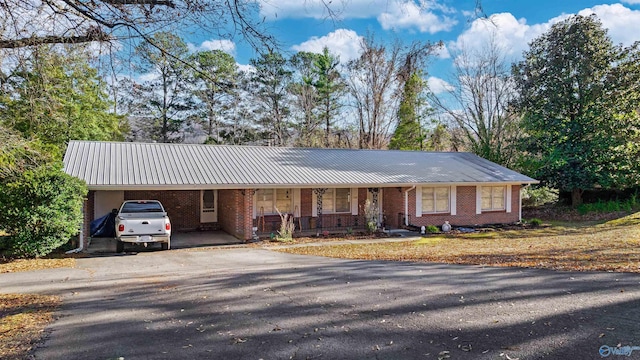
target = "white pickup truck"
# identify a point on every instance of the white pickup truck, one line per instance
(142, 222)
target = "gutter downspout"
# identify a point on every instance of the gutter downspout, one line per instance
(406, 205)
(80, 237)
(520, 205)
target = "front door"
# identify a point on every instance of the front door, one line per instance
(208, 206)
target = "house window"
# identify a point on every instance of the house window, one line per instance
(493, 198)
(283, 200)
(436, 199)
(268, 200)
(336, 201)
(264, 201)
(208, 200)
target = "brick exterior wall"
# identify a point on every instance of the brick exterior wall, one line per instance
(229, 204)
(393, 204)
(247, 215)
(87, 207)
(306, 202)
(182, 206)
(235, 212)
(465, 210)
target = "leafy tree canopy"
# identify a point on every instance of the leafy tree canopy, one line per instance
(579, 96)
(56, 98)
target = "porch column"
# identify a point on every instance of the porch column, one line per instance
(319, 192)
(374, 195)
(248, 214)
(374, 202)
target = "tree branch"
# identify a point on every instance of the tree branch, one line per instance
(41, 40)
(167, 3)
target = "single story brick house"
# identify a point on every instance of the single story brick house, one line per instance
(239, 189)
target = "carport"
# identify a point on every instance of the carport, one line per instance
(180, 240)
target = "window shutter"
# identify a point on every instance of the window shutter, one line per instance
(314, 204)
(419, 201)
(508, 199)
(354, 201)
(454, 200)
(478, 199)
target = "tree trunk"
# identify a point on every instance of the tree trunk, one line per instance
(576, 197)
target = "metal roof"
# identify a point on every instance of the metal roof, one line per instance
(128, 165)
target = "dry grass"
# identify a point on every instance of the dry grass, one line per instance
(609, 246)
(7, 266)
(23, 318)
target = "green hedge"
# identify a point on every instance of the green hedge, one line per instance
(40, 210)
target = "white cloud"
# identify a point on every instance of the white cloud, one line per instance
(342, 42)
(227, 46)
(409, 15)
(514, 35)
(511, 34)
(621, 21)
(631, 2)
(246, 68)
(352, 9)
(438, 86)
(442, 52)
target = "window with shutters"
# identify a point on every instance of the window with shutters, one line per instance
(436, 199)
(493, 198)
(336, 201)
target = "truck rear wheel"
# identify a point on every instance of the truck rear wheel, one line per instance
(166, 245)
(119, 246)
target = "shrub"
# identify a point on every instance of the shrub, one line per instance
(538, 195)
(40, 210)
(432, 229)
(287, 226)
(609, 206)
(535, 222)
(371, 213)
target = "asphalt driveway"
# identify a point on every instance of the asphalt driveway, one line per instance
(242, 303)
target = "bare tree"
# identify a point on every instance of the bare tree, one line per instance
(376, 81)
(477, 103)
(29, 23)
(373, 89)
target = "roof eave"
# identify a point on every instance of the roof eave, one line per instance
(129, 187)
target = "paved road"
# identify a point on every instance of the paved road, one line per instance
(257, 304)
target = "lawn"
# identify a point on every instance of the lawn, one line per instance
(15, 265)
(23, 318)
(583, 246)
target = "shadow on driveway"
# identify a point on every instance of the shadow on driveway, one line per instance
(254, 303)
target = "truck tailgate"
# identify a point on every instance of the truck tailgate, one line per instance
(143, 224)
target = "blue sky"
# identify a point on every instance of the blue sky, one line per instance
(303, 25)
